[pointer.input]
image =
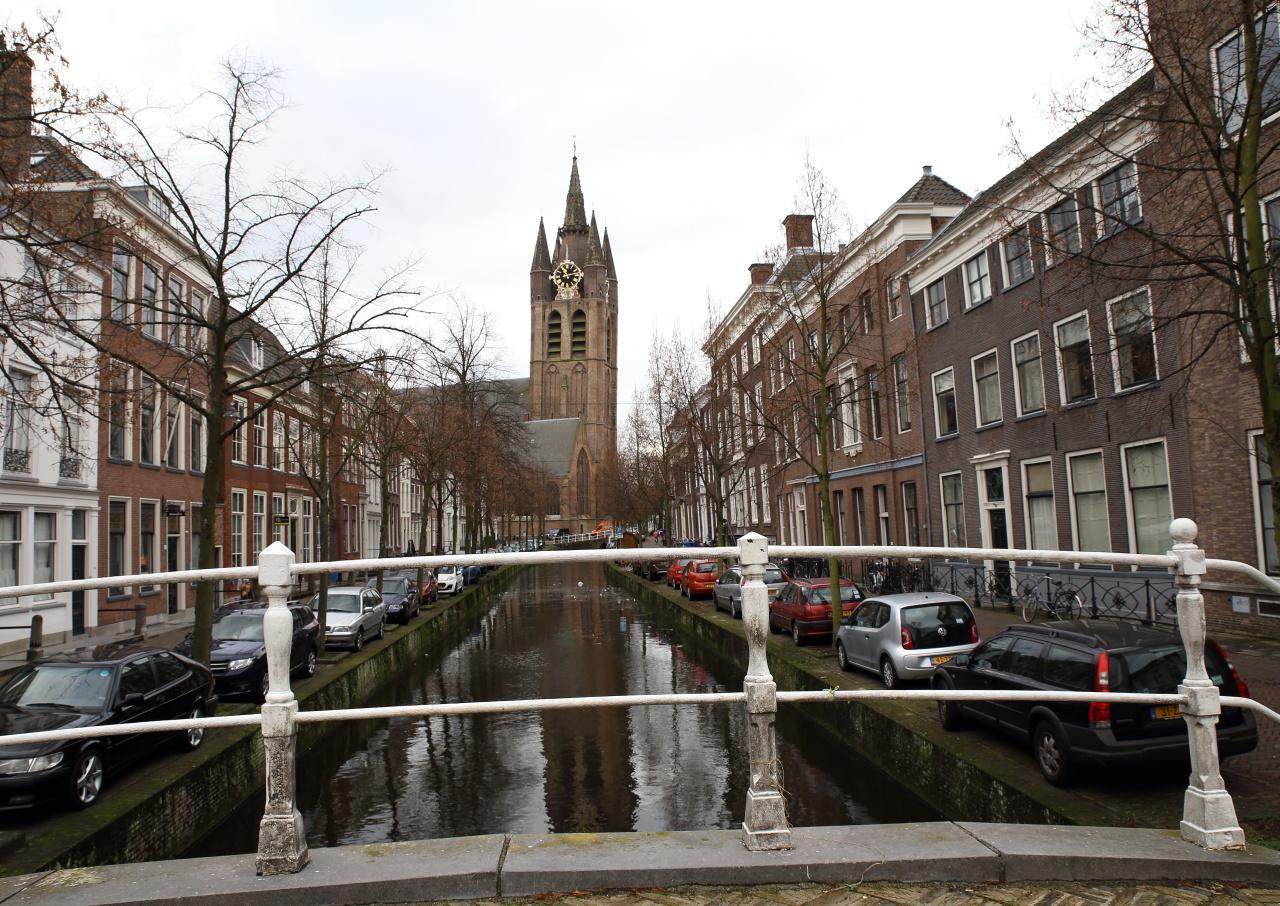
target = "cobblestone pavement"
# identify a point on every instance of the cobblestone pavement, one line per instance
(888, 894)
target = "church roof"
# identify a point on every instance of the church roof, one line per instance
(541, 256)
(595, 256)
(551, 443)
(611, 271)
(575, 205)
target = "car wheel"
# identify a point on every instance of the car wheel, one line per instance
(733, 608)
(191, 739)
(888, 675)
(382, 629)
(1051, 754)
(85, 779)
(309, 668)
(841, 658)
(358, 643)
(795, 633)
(949, 712)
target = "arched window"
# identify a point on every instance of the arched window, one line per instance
(608, 338)
(583, 503)
(579, 334)
(553, 499)
(551, 392)
(553, 335)
(578, 392)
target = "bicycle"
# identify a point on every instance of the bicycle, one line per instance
(1064, 604)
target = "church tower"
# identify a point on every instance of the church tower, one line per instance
(573, 359)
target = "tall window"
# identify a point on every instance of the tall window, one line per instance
(238, 439)
(237, 528)
(150, 301)
(1042, 524)
(17, 422)
(117, 543)
(910, 514)
(986, 389)
(859, 516)
(553, 335)
(173, 434)
(901, 393)
(953, 510)
(277, 440)
(147, 423)
(935, 303)
(1017, 256)
(197, 314)
(867, 307)
(195, 429)
(1028, 374)
(1089, 502)
(279, 522)
(977, 280)
(882, 513)
(1150, 510)
(1134, 341)
(1075, 359)
(306, 529)
(120, 268)
(945, 422)
(10, 545)
(1063, 226)
(174, 314)
(579, 337)
(260, 437)
(148, 554)
(259, 523)
(1118, 198)
(1230, 71)
(1266, 513)
(893, 292)
(873, 403)
(118, 415)
(846, 324)
(850, 417)
(291, 451)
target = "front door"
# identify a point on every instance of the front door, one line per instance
(1001, 569)
(173, 559)
(995, 529)
(77, 597)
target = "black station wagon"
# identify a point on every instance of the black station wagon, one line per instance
(1091, 656)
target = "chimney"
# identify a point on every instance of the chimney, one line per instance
(928, 170)
(799, 229)
(15, 113)
(761, 271)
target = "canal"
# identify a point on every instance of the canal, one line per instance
(560, 630)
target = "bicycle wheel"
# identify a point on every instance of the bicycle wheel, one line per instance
(1030, 607)
(1069, 605)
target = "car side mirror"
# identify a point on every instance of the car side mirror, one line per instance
(131, 699)
(962, 660)
(846, 621)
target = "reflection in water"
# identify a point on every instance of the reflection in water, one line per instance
(603, 769)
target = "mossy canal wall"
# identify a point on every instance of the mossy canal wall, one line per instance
(159, 808)
(965, 776)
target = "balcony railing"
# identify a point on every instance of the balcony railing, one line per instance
(70, 466)
(17, 461)
(1209, 817)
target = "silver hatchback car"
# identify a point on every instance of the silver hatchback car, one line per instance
(353, 615)
(905, 636)
(727, 594)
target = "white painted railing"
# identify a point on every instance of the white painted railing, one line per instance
(1208, 813)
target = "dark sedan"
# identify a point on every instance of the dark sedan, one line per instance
(238, 652)
(112, 685)
(401, 594)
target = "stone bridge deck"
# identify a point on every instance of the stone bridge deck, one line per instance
(1017, 858)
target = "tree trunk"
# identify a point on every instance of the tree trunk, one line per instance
(211, 497)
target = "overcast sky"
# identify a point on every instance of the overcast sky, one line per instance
(692, 120)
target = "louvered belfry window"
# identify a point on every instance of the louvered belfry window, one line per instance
(553, 335)
(579, 334)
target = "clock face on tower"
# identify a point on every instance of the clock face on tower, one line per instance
(567, 275)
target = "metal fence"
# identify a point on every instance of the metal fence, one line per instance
(1208, 820)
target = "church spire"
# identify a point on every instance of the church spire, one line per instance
(575, 206)
(608, 257)
(541, 257)
(595, 256)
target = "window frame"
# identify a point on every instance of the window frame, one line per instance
(893, 295)
(1009, 281)
(1071, 496)
(116, 592)
(1215, 69)
(1114, 345)
(1255, 482)
(977, 405)
(1026, 509)
(1053, 255)
(901, 392)
(1057, 351)
(1131, 523)
(942, 501)
(1101, 219)
(969, 301)
(955, 403)
(154, 553)
(1018, 404)
(929, 323)
(237, 537)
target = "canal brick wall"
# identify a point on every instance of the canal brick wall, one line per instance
(160, 807)
(966, 776)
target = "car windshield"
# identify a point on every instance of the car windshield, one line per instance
(823, 595)
(344, 603)
(938, 625)
(773, 576)
(238, 627)
(448, 570)
(1158, 669)
(395, 586)
(80, 686)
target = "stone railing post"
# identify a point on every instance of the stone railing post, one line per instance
(765, 825)
(35, 641)
(282, 844)
(1208, 814)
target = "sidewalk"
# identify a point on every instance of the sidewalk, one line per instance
(1254, 778)
(164, 631)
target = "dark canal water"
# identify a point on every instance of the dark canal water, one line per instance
(560, 631)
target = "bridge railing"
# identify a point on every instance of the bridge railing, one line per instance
(1208, 819)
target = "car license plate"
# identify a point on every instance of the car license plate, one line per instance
(773, 592)
(1166, 712)
(942, 659)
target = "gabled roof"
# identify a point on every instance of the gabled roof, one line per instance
(930, 189)
(551, 442)
(52, 161)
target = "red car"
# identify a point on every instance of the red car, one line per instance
(803, 607)
(675, 572)
(699, 578)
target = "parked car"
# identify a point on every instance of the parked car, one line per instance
(110, 685)
(353, 616)
(905, 636)
(238, 652)
(450, 580)
(675, 572)
(472, 574)
(727, 594)
(699, 578)
(400, 593)
(803, 607)
(1091, 655)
